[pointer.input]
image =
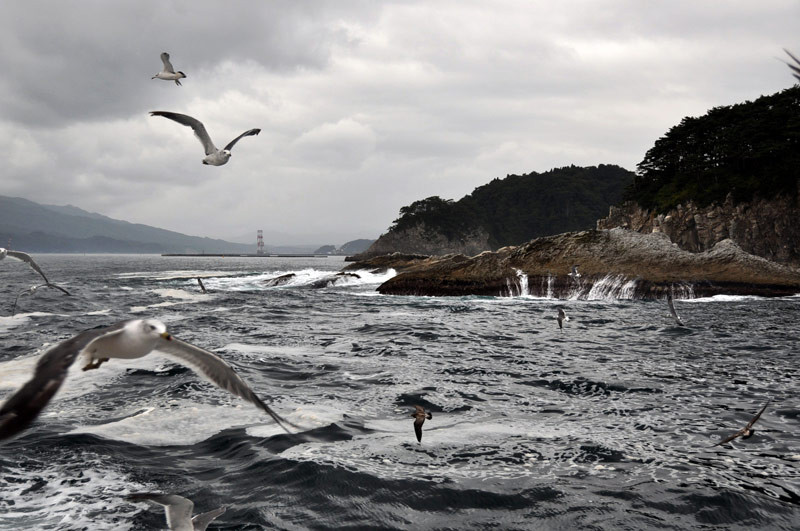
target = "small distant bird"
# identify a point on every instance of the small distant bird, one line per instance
(25, 257)
(562, 316)
(178, 510)
(419, 418)
(796, 67)
(30, 291)
(672, 309)
(169, 73)
(747, 431)
(214, 156)
(574, 273)
(202, 287)
(127, 340)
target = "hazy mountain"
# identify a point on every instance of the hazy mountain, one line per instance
(48, 228)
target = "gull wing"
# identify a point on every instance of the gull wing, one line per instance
(418, 428)
(25, 257)
(202, 520)
(672, 309)
(220, 373)
(19, 411)
(732, 437)
(251, 132)
(753, 421)
(196, 125)
(177, 508)
(795, 68)
(167, 64)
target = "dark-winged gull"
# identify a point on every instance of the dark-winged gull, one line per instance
(747, 431)
(419, 418)
(25, 257)
(574, 273)
(30, 291)
(672, 308)
(168, 73)
(796, 67)
(178, 510)
(127, 340)
(214, 156)
(562, 316)
(202, 287)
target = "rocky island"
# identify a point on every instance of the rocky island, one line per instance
(616, 263)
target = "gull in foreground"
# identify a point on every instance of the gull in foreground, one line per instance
(562, 316)
(25, 257)
(747, 431)
(127, 340)
(178, 510)
(214, 156)
(169, 73)
(672, 309)
(419, 418)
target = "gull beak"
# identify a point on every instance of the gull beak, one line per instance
(166, 336)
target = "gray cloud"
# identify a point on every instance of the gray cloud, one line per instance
(364, 106)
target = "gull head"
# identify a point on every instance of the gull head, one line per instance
(155, 329)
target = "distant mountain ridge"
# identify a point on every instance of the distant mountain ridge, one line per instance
(34, 227)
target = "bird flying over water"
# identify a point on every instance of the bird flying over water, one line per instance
(562, 316)
(672, 308)
(574, 273)
(794, 67)
(25, 257)
(168, 73)
(419, 418)
(214, 156)
(747, 431)
(178, 510)
(202, 287)
(127, 340)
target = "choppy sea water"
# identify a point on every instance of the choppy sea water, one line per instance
(607, 425)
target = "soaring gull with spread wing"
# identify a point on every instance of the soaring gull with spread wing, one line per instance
(25, 257)
(169, 73)
(127, 340)
(794, 67)
(178, 510)
(747, 431)
(672, 308)
(214, 156)
(420, 415)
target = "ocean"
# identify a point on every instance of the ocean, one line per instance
(607, 424)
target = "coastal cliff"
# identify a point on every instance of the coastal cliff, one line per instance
(615, 263)
(762, 227)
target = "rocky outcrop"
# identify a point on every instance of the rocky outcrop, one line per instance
(614, 263)
(421, 240)
(766, 228)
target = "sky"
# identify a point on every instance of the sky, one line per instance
(364, 106)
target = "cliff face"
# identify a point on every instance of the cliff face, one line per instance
(612, 264)
(420, 239)
(766, 228)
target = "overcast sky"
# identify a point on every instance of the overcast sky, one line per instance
(363, 106)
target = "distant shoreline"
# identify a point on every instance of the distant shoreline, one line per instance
(235, 255)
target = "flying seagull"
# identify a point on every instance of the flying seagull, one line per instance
(202, 287)
(214, 156)
(672, 308)
(419, 418)
(25, 257)
(178, 510)
(169, 74)
(127, 340)
(562, 316)
(795, 67)
(748, 430)
(574, 273)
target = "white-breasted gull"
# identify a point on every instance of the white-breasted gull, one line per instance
(169, 73)
(214, 156)
(178, 510)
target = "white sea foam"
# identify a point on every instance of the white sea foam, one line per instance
(183, 297)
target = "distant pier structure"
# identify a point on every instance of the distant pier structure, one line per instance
(260, 242)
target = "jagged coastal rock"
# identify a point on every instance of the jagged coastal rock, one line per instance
(765, 228)
(614, 263)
